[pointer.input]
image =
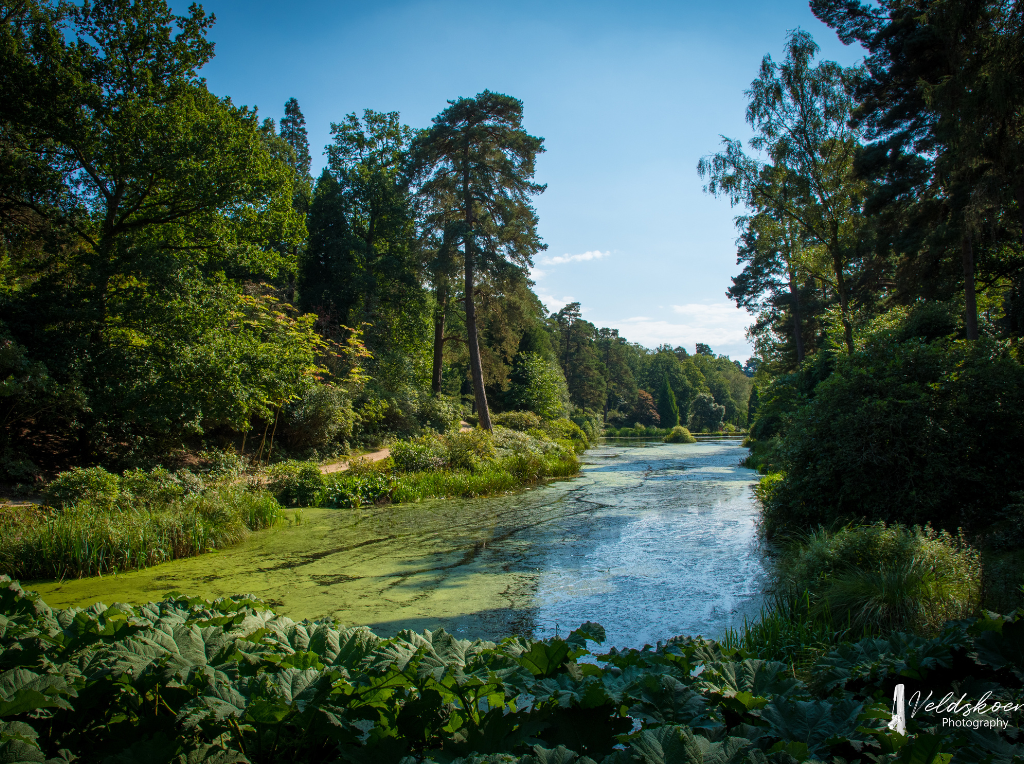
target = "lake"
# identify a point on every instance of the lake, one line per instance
(652, 540)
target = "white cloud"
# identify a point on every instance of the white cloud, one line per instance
(552, 303)
(567, 258)
(536, 274)
(721, 325)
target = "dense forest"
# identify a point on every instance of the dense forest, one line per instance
(173, 279)
(882, 254)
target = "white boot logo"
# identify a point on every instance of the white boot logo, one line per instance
(899, 718)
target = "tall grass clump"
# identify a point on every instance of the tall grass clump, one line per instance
(883, 577)
(127, 522)
(790, 629)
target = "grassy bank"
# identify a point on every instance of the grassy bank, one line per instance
(108, 523)
(452, 465)
(93, 522)
(188, 680)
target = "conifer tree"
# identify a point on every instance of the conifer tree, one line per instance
(668, 410)
(478, 160)
(293, 130)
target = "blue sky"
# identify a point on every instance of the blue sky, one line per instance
(628, 96)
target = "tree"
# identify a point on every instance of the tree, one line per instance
(293, 130)
(538, 386)
(478, 161)
(668, 411)
(576, 342)
(801, 114)
(706, 415)
(363, 262)
(943, 106)
(615, 352)
(142, 212)
(645, 412)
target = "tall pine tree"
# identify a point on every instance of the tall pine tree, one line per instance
(477, 159)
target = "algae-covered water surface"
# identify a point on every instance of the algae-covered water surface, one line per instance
(651, 540)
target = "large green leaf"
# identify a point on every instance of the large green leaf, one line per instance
(678, 745)
(763, 679)
(544, 659)
(666, 700)
(22, 691)
(816, 723)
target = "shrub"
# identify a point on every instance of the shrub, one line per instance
(680, 434)
(296, 484)
(321, 415)
(563, 429)
(352, 491)
(441, 413)
(425, 453)
(885, 577)
(517, 420)
(906, 431)
(150, 489)
(589, 421)
(467, 450)
(92, 485)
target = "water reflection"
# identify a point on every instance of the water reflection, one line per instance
(652, 540)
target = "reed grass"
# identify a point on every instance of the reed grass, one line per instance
(488, 479)
(87, 540)
(793, 630)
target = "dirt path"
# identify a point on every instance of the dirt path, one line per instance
(375, 456)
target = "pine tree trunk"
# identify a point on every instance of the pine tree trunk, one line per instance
(476, 368)
(970, 299)
(798, 329)
(439, 315)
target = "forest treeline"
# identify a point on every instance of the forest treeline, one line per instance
(173, 278)
(882, 254)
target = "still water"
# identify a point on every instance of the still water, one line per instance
(651, 540)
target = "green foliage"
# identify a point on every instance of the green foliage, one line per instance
(589, 421)
(144, 214)
(441, 413)
(356, 490)
(296, 484)
(882, 577)
(87, 539)
(538, 386)
(518, 420)
(705, 414)
(92, 485)
(903, 430)
(231, 681)
(668, 411)
(680, 434)
(320, 415)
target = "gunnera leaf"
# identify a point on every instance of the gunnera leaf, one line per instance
(666, 700)
(760, 678)
(559, 755)
(817, 723)
(678, 745)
